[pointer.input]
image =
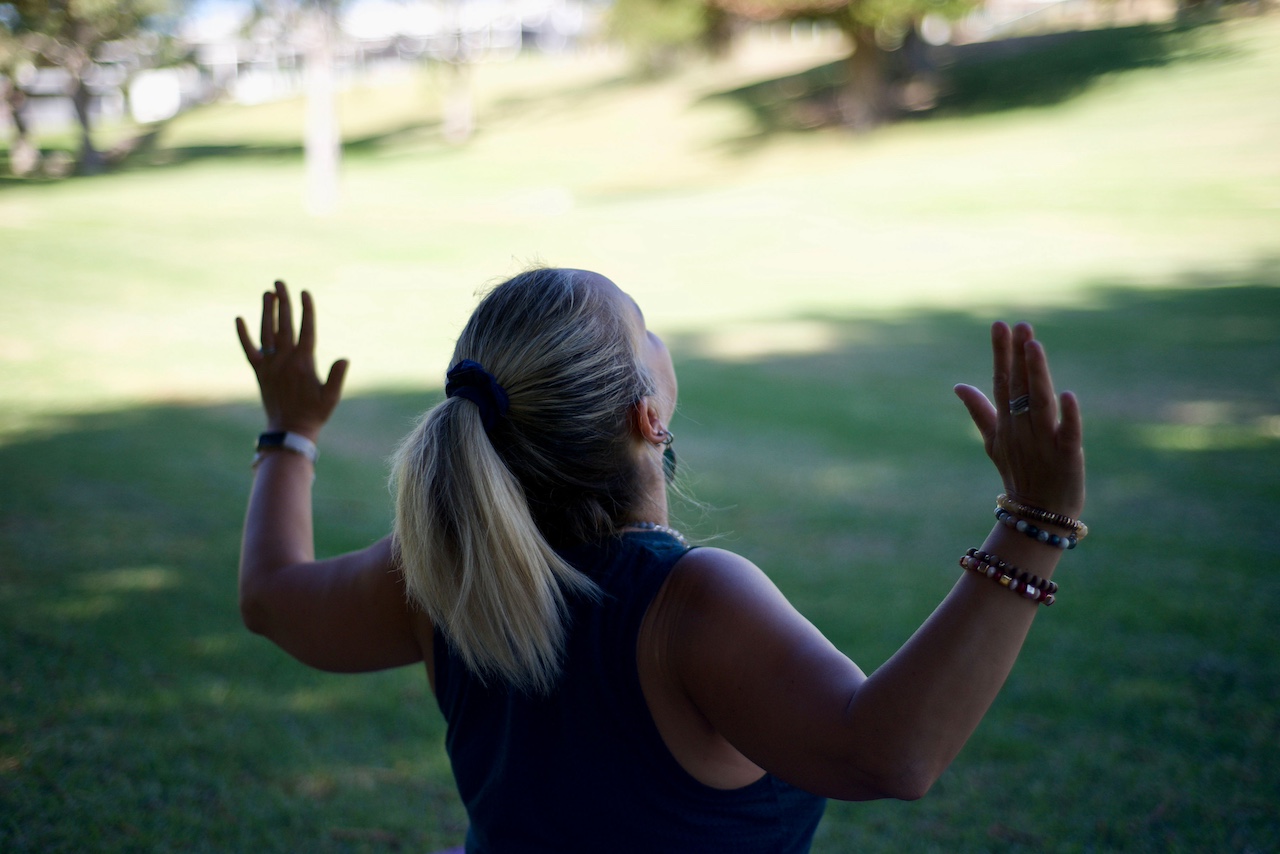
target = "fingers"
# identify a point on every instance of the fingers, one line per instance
(277, 325)
(1018, 381)
(268, 334)
(277, 321)
(1044, 401)
(250, 352)
(1071, 429)
(284, 326)
(307, 331)
(1000, 352)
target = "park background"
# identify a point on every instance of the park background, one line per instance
(821, 292)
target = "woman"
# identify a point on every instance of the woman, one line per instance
(607, 688)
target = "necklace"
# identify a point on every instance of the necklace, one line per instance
(662, 529)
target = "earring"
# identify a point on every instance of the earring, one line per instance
(667, 438)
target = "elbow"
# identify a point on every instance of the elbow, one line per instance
(253, 611)
(909, 790)
(902, 782)
(910, 782)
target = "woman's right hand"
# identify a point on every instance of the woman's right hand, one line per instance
(293, 396)
(1039, 452)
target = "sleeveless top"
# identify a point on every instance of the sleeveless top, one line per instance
(584, 769)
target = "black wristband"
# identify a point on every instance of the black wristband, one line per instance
(281, 440)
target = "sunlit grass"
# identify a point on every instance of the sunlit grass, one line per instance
(123, 287)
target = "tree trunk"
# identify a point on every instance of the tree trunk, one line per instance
(24, 157)
(322, 146)
(718, 37)
(90, 160)
(864, 102)
(459, 109)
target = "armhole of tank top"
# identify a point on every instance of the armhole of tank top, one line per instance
(672, 754)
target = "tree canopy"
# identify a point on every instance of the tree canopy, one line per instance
(69, 34)
(871, 26)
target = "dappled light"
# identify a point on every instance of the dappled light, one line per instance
(1215, 425)
(1212, 437)
(746, 342)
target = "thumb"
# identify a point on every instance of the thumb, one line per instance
(333, 385)
(980, 409)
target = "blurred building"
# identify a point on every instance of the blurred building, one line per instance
(237, 52)
(254, 60)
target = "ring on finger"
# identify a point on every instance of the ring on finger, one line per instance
(268, 351)
(1020, 405)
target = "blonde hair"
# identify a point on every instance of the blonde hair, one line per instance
(479, 517)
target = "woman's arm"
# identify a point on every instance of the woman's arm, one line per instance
(780, 693)
(347, 613)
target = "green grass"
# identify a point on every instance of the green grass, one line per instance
(821, 295)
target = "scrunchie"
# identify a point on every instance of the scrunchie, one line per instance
(469, 380)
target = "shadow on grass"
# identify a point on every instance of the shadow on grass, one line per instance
(147, 151)
(153, 153)
(138, 713)
(1031, 71)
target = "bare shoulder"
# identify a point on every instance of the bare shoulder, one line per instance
(712, 596)
(707, 569)
(706, 559)
(723, 613)
(717, 579)
(757, 670)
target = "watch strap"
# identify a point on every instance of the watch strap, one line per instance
(283, 440)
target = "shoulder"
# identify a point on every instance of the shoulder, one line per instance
(713, 596)
(711, 575)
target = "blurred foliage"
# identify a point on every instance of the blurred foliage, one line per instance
(658, 32)
(983, 77)
(58, 29)
(70, 35)
(887, 15)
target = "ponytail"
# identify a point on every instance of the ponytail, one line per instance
(480, 512)
(472, 556)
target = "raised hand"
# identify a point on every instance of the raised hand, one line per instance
(1032, 435)
(292, 394)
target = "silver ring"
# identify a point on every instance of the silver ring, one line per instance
(268, 351)
(1020, 405)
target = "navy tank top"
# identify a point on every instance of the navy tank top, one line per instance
(584, 769)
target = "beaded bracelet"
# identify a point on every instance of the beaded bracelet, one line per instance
(1078, 528)
(1033, 587)
(1025, 527)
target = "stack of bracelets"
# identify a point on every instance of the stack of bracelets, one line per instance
(1020, 517)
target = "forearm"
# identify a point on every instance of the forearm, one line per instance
(277, 528)
(917, 711)
(344, 613)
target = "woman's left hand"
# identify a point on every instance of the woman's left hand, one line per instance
(1039, 448)
(292, 394)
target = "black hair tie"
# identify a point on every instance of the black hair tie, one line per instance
(468, 379)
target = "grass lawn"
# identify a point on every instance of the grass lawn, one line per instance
(821, 295)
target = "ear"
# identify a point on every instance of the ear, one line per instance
(647, 421)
